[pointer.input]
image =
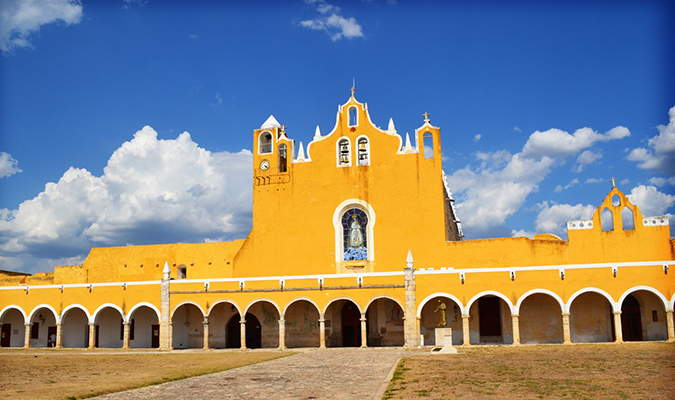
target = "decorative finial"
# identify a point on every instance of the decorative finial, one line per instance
(352, 90)
(426, 116)
(613, 182)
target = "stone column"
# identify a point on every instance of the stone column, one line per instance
(670, 325)
(322, 332)
(515, 325)
(410, 327)
(282, 334)
(466, 330)
(618, 334)
(206, 333)
(92, 335)
(165, 339)
(242, 331)
(27, 334)
(59, 336)
(170, 335)
(567, 336)
(364, 331)
(127, 334)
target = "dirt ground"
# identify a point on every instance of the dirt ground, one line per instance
(588, 371)
(72, 374)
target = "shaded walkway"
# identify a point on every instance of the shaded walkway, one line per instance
(340, 373)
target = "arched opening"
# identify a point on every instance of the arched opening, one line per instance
(253, 332)
(13, 328)
(616, 201)
(363, 149)
(109, 329)
(283, 158)
(43, 328)
(353, 116)
(233, 332)
(627, 219)
(607, 220)
(428, 143)
(343, 324)
(344, 153)
(144, 328)
(591, 319)
(302, 325)
(643, 317)
(540, 320)
(385, 323)
(431, 317)
(494, 320)
(355, 234)
(262, 326)
(188, 327)
(219, 329)
(265, 146)
(75, 328)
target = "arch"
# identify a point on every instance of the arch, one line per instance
(297, 299)
(658, 294)
(301, 323)
(491, 293)
(588, 290)
(385, 321)
(540, 291)
(144, 304)
(441, 294)
(13, 307)
(343, 151)
(627, 219)
(337, 225)
(222, 301)
(336, 299)
(606, 220)
(265, 141)
(47, 306)
(428, 144)
(353, 115)
(362, 150)
(76, 306)
(261, 299)
(184, 303)
(384, 296)
(104, 306)
(672, 303)
(283, 158)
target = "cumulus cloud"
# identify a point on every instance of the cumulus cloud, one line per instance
(560, 188)
(558, 143)
(657, 181)
(660, 156)
(553, 218)
(585, 158)
(19, 19)
(651, 201)
(8, 165)
(151, 191)
(477, 137)
(332, 22)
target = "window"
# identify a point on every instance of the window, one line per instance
(353, 116)
(354, 227)
(265, 143)
(283, 159)
(344, 156)
(606, 220)
(363, 151)
(616, 201)
(627, 219)
(428, 143)
(181, 272)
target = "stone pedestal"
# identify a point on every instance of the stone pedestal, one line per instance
(443, 342)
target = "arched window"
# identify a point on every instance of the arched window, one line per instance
(344, 153)
(363, 151)
(353, 116)
(265, 143)
(428, 143)
(627, 219)
(355, 234)
(283, 158)
(607, 220)
(616, 201)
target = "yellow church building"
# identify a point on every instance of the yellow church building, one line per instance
(356, 242)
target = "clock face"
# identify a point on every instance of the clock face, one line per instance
(264, 165)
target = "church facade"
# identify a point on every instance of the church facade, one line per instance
(330, 261)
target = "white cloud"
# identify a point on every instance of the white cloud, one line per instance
(585, 158)
(516, 129)
(8, 165)
(553, 219)
(194, 36)
(650, 201)
(572, 183)
(557, 143)
(662, 181)
(477, 137)
(19, 19)
(330, 21)
(661, 153)
(152, 191)
(594, 180)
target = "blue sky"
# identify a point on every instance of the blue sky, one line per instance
(539, 104)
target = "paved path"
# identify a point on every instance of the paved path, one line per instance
(317, 374)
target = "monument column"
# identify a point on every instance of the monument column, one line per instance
(170, 345)
(618, 334)
(127, 334)
(27, 334)
(282, 334)
(206, 333)
(92, 335)
(515, 325)
(567, 336)
(465, 330)
(364, 331)
(322, 332)
(165, 340)
(411, 329)
(242, 333)
(59, 336)
(670, 325)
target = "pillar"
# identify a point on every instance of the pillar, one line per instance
(165, 333)
(364, 331)
(27, 334)
(410, 326)
(282, 334)
(206, 333)
(59, 336)
(242, 330)
(92, 335)
(567, 336)
(322, 332)
(618, 334)
(466, 333)
(671, 325)
(127, 334)
(515, 325)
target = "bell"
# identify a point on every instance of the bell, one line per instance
(362, 146)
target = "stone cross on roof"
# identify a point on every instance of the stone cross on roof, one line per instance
(426, 116)
(613, 182)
